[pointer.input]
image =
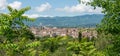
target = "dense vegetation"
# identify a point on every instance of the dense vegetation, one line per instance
(110, 25)
(17, 40)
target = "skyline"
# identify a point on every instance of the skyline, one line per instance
(50, 8)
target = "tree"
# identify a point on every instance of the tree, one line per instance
(15, 36)
(52, 44)
(83, 47)
(111, 21)
(12, 24)
(23, 47)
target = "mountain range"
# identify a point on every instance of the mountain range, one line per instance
(74, 21)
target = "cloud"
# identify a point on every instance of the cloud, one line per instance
(3, 4)
(36, 15)
(32, 15)
(80, 8)
(85, 0)
(15, 5)
(43, 7)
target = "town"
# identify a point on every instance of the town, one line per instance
(54, 31)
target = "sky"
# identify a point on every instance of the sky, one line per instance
(50, 8)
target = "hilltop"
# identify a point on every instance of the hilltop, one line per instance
(74, 21)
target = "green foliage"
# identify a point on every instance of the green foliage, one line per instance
(17, 40)
(109, 25)
(52, 43)
(12, 24)
(111, 21)
(113, 48)
(82, 48)
(45, 53)
(21, 47)
(102, 41)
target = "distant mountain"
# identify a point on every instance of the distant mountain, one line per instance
(75, 21)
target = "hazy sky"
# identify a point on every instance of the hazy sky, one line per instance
(50, 8)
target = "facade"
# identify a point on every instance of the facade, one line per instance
(45, 31)
(52, 32)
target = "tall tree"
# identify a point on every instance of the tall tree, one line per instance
(111, 21)
(12, 24)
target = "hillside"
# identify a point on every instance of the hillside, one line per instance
(75, 21)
